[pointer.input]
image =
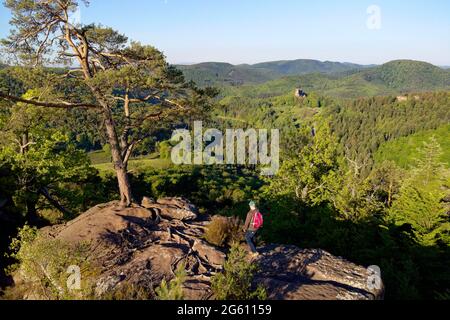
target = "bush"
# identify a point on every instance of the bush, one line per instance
(44, 266)
(217, 231)
(165, 149)
(174, 289)
(235, 283)
(52, 216)
(224, 231)
(235, 231)
(127, 292)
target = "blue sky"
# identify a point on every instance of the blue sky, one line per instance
(250, 31)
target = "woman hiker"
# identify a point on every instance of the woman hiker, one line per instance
(253, 223)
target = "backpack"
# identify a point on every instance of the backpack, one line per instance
(258, 220)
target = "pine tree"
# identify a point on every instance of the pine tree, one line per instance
(235, 283)
(114, 73)
(174, 289)
(419, 202)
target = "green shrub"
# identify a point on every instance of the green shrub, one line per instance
(127, 292)
(43, 265)
(224, 231)
(217, 231)
(165, 149)
(52, 216)
(174, 289)
(235, 283)
(235, 231)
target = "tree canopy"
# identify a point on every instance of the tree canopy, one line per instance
(130, 84)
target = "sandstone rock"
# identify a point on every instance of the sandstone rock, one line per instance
(298, 274)
(172, 208)
(133, 246)
(198, 288)
(209, 253)
(147, 202)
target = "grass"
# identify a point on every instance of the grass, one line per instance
(98, 157)
(102, 162)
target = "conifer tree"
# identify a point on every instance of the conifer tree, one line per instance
(127, 83)
(419, 202)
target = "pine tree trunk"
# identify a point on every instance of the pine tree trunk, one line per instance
(120, 166)
(126, 197)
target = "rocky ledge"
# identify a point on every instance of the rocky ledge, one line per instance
(142, 245)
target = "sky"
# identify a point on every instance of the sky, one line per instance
(251, 31)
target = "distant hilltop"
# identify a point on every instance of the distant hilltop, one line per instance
(213, 73)
(337, 79)
(221, 73)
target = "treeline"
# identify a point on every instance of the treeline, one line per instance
(393, 78)
(363, 125)
(403, 151)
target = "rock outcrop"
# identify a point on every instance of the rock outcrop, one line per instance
(171, 208)
(313, 274)
(143, 245)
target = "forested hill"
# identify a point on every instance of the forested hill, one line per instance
(217, 73)
(409, 75)
(303, 66)
(392, 78)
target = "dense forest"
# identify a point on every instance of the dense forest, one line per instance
(216, 73)
(365, 168)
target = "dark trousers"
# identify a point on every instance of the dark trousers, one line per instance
(249, 237)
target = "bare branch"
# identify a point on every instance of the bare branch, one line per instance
(129, 151)
(116, 55)
(58, 105)
(153, 96)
